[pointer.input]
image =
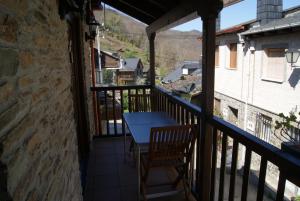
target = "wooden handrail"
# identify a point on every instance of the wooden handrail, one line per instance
(106, 88)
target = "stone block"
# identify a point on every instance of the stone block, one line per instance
(9, 62)
(24, 81)
(25, 59)
(7, 91)
(8, 28)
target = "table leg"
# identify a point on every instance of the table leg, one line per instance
(139, 170)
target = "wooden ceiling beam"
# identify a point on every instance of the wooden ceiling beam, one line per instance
(129, 11)
(141, 7)
(160, 5)
(178, 15)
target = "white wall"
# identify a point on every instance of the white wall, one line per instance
(246, 84)
(275, 96)
(229, 81)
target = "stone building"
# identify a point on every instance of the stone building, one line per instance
(44, 68)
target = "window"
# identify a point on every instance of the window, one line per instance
(217, 56)
(274, 64)
(263, 127)
(233, 115)
(233, 55)
(294, 133)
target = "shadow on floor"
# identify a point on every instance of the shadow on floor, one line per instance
(110, 178)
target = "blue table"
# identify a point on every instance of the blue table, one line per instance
(139, 125)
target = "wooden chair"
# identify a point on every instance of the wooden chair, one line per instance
(170, 147)
(138, 103)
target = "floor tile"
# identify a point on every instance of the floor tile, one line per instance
(112, 194)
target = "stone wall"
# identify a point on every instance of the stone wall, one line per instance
(37, 126)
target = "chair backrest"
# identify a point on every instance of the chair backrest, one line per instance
(139, 102)
(172, 143)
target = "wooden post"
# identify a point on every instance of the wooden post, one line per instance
(95, 105)
(208, 75)
(151, 38)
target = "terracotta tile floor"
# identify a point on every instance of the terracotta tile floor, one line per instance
(110, 178)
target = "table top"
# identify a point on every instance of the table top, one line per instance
(140, 124)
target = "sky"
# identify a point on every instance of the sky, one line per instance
(233, 15)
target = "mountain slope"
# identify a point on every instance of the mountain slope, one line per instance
(127, 36)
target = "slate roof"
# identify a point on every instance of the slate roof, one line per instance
(290, 21)
(191, 65)
(177, 73)
(130, 64)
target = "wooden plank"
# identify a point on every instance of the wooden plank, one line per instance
(129, 101)
(114, 112)
(214, 164)
(145, 100)
(223, 166)
(262, 178)
(122, 111)
(178, 15)
(106, 112)
(102, 88)
(151, 39)
(233, 169)
(246, 175)
(281, 186)
(208, 76)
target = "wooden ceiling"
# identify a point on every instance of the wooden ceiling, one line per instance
(164, 13)
(148, 11)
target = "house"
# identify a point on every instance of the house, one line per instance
(253, 80)
(132, 69)
(185, 68)
(110, 60)
(251, 69)
(185, 82)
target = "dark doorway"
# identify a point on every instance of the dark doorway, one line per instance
(78, 90)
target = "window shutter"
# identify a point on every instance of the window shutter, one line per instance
(217, 59)
(233, 55)
(275, 64)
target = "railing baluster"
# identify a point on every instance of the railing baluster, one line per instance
(98, 111)
(182, 116)
(187, 119)
(136, 106)
(281, 186)
(106, 112)
(199, 151)
(223, 166)
(144, 101)
(177, 107)
(122, 111)
(233, 169)
(114, 111)
(262, 178)
(129, 100)
(246, 171)
(214, 164)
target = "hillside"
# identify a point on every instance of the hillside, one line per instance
(127, 36)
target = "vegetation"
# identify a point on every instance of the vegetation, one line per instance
(127, 37)
(107, 76)
(286, 124)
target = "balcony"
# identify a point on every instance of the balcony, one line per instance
(240, 162)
